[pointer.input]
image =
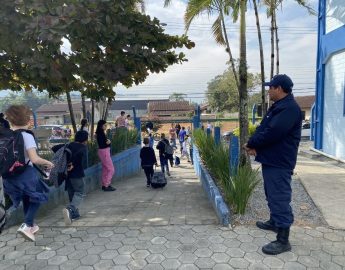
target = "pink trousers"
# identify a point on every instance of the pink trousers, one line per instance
(108, 169)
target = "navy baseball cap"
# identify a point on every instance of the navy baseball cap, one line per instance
(282, 80)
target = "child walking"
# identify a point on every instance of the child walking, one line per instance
(26, 187)
(75, 185)
(148, 159)
(104, 155)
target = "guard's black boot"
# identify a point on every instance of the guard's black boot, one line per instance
(267, 225)
(281, 245)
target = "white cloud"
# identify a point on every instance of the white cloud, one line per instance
(297, 33)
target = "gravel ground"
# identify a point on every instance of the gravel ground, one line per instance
(304, 209)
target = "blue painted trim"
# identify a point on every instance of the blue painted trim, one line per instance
(234, 151)
(312, 123)
(319, 101)
(212, 192)
(217, 135)
(332, 43)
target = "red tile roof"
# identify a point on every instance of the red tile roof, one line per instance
(305, 101)
(167, 108)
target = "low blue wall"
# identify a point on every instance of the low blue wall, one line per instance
(126, 163)
(211, 189)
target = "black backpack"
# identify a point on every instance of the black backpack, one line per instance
(12, 152)
(2, 217)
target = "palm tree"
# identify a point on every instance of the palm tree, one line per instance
(221, 7)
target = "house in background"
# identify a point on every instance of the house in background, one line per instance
(305, 103)
(58, 113)
(141, 107)
(170, 108)
(329, 115)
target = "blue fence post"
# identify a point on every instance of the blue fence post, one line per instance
(195, 122)
(253, 114)
(217, 135)
(137, 124)
(234, 154)
(208, 132)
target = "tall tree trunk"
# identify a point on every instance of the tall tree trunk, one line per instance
(232, 62)
(272, 38)
(107, 109)
(83, 106)
(71, 113)
(92, 119)
(262, 64)
(277, 42)
(243, 92)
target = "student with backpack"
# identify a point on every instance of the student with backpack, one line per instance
(163, 156)
(74, 183)
(104, 155)
(148, 159)
(20, 178)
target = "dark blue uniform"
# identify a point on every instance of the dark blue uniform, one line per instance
(276, 142)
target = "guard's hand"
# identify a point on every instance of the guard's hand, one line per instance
(108, 141)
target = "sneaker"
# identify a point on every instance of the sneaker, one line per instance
(168, 173)
(26, 232)
(148, 185)
(35, 228)
(109, 188)
(67, 216)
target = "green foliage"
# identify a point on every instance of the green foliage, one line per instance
(222, 93)
(177, 96)
(32, 99)
(238, 188)
(251, 130)
(157, 124)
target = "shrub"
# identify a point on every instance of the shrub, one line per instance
(237, 188)
(251, 130)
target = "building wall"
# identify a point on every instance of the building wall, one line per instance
(113, 114)
(334, 118)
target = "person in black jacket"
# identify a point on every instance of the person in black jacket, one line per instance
(3, 122)
(163, 157)
(148, 159)
(275, 145)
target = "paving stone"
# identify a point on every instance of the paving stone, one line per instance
(84, 267)
(35, 265)
(332, 250)
(172, 253)
(187, 258)
(15, 242)
(294, 266)
(66, 250)
(216, 239)
(6, 263)
(273, 262)
(238, 263)
(83, 245)
(232, 243)
(199, 243)
(339, 260)
(242, 230)
(155, 258)
(57, 260)
(109, 254)
(187, 248)
(70, 264)
(132, 233)
(94, 250)
(218, 247)
(106, 234)
(249, 247)
(171, 264)
(173, 236)
(328, 265)
(122, 259)
(257, 233)
(188, 267)
(203, 252)
(220, 257)
(101, 241)
(158, 240)
(50, 267)
(235, 252)
(333, 237)
(77, 255)
(45, 255)
(129, 241)
(14, 255)
(145, 236)
(245, 238)
(138, 264)
(113, 245)
(90, 237)
(253, 257)
(24, 260)
(172, 244)
(258, 266)
(103, 265)
(288, 256)
(117, 237)
(157, 248)
(153, 267)
(205, 262)
(187, 240)
(222, 267)
(73, 241)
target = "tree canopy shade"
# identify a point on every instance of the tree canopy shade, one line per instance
(109, 42)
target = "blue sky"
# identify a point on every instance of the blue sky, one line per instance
(298, 40)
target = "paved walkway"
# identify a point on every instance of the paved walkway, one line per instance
(173, 228)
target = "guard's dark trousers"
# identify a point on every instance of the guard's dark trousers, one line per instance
(277, 185)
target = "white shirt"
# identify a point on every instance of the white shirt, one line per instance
(29, 143)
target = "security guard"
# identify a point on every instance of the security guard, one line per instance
(275, 145)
